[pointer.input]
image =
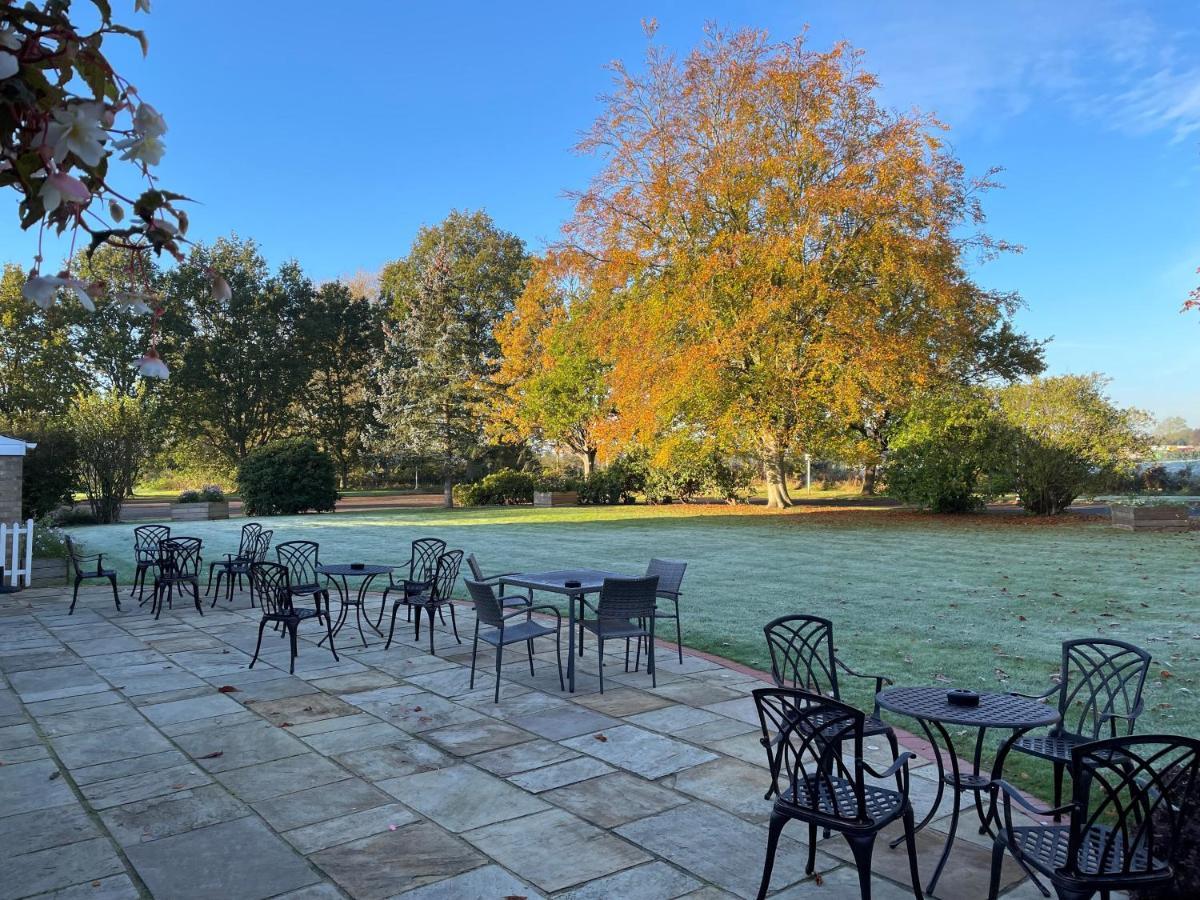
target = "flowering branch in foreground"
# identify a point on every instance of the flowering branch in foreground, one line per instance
(64, 113)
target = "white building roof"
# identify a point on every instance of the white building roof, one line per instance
(13, 447)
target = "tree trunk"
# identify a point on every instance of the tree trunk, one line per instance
(588, 458)
(869, 474)
(775, 471)
(447, 490)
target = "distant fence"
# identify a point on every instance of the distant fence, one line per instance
(16, 546)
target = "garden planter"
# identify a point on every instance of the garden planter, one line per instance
(199, 512)
(555, 498)
(48, 571)
(1158, 517)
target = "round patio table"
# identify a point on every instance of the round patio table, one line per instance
(338, 575)
(931, 709)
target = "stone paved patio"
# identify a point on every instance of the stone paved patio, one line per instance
(142, 758)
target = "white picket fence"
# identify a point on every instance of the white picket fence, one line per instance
(17, 540)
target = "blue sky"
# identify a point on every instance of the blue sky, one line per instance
(331, 132)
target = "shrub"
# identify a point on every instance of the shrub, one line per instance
(503, 488)
(287, 477)
(209, 493)
(688, 469)
(113, 434)
(49, 470)
(68, 516)
(618, 482)
(189, 496)
(943, 451)
(48, 541)
(1067, 437)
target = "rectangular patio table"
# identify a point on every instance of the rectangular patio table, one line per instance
(590, 582)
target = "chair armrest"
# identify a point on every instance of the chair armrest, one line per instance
(900, 762)
(880, 681)
(526, 610)
(1053, 689)
(499, 575)
(1011, 794)
(1129, 717)
(668, 595)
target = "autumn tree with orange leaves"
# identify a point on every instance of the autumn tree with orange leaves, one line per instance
(770, 253)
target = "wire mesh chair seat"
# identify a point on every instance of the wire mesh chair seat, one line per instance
(505, 626)
(145, 556)
(1099, 695)
(86, 572)
(624, 610)
(270, 581)
(431, 600)
(803, 734)
(1132, 800)
(178, 567)
(524, 597)
(241, 560)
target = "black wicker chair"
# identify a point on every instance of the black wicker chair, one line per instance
(422, 564)
(1100, 688)
(178, 566)
(1132, 800)
(241, 559)
(670, 577)
(270, 582)
(623, 611)
(440, 589)
(491, 611)
(803, 733)
(524, 598)
(803, 657)
(145, 555)
(86, 572)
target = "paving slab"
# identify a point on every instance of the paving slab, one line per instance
(653, 881)
(36, 784)
(462, 797)
(54, 683)
(614, 799)
(115, 887)
(392, 862)
(281, 776)
(549, 777)
(729, 784)
(134, 765)
(486, 883)
(254, 863)
(94, 719)
(317, 804)
(555, 849)
(354, 826)
(623, 702)
(479, 736)
(642, 752)
(363, 737)
(718, 847)
(57, 867)
(559, 722)
(240, 745)
(304, 708)
(143, 786)
(403, 757)
(175, 813)
(203, 707)
(46, 826)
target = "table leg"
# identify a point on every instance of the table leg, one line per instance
(571, 643)
(941, 784)
(955, 785)
(362, 602)
(994, 813)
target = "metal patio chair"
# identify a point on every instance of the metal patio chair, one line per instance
(803, 733)
(1132, 800)
(441, 587)
(178, 567)
(86, 572)
(1099, 693)
(422, 563)
(624, 610)
(243, 558)
(270, 582)
(145, 555)
(490, 611)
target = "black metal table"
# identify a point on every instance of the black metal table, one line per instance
(338, 575)
(589, 582)
(931, 709)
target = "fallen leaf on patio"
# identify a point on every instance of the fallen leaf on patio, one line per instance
(285, 724)
(228, 689)
(214, 755)
(600, 737)
(95, 884)
(516, 897)
(416, 709)
(391, 828)
(54, 775)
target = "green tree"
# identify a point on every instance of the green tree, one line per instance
(437, 373)
(341, 398)
(113, 336)
(945, 450)
(40, 369)
(1172, 430)
(241, 363)
(113, 437)
(1067, 437)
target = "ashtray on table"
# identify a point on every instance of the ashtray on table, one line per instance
(357, 566)
(572, 584)
(961, 697)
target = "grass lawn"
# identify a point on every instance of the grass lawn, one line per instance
(980, 602)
